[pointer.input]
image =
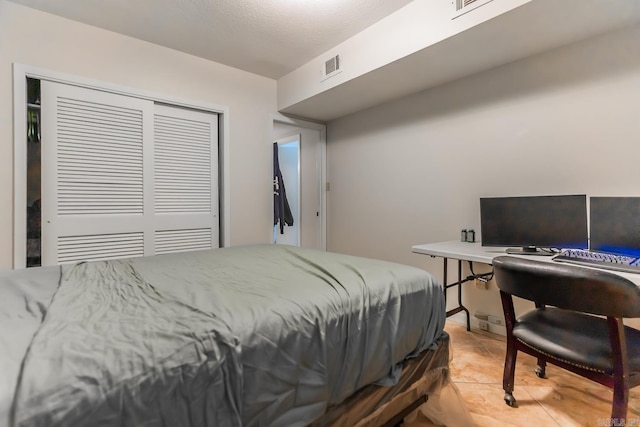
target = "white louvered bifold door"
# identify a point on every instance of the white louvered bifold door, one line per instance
(185, 180)
(123, 177)
(94, 149)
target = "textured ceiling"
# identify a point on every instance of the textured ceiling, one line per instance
(266, 37)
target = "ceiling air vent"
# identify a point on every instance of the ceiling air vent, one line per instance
(331, 67)
(464, 6)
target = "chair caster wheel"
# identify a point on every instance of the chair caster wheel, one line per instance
(509, 399)
(540, 372)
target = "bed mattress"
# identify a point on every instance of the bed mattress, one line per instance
(264, 335)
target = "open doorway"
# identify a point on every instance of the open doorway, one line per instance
(289, 160)
(310, 178)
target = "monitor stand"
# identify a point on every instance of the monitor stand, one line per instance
(528, 250)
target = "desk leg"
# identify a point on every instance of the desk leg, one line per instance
(444, 282)
(459, 283)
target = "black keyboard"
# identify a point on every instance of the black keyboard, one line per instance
(604, 260)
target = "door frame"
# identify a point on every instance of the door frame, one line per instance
(322, 178)
(20, 74)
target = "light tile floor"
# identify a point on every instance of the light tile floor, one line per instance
(562, 399)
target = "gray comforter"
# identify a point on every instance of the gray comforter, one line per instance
(256, 336)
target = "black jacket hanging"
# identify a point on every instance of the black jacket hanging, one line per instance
(281, 210)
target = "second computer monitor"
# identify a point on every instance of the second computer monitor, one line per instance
(533, 222)
(615, 225)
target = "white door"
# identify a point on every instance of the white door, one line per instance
(185, 192)
(123, 177)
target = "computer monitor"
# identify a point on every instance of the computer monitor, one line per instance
(615, 225)
(531, 225)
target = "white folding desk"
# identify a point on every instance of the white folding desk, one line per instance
(475, 252)
(461, 251)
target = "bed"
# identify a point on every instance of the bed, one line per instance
(261, 335)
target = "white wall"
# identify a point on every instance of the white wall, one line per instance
(38, 39)
(412, 171)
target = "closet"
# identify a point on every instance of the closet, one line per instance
(33, 173)
(115, 176)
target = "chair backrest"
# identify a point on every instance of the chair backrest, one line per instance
(569, 287)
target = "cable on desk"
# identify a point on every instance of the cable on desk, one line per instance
(550, 250)
(484, 276)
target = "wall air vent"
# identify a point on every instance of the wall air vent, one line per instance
(331, 67)
(463, 6)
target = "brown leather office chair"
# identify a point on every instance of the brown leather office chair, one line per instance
(576, 325)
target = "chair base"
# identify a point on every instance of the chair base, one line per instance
(509, 399)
